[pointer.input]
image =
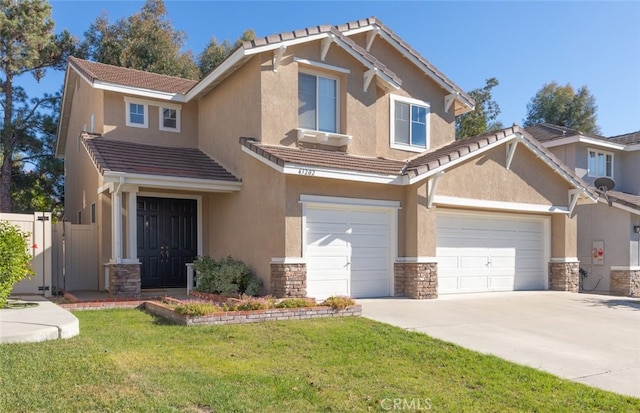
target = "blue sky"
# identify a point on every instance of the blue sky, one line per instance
(523, 44)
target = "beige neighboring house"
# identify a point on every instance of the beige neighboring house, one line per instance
(324, 158)
(609, 230)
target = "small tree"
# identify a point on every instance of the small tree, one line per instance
(14, 259)
(484, 117)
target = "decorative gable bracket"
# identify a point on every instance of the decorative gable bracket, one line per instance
(325, 45)
(368, 75)
(449, 99)
(574, 196)
(371, 36)
(432, 184)
(511, 151)
(277, 56)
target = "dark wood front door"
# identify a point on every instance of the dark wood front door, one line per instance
(167, 240)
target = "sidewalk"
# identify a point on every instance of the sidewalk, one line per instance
(47, 321)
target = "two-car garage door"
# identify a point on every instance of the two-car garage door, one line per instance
(490, 252)
(348, 250)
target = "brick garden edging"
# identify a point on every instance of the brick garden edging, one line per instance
(255, 316)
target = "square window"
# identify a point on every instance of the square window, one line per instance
(317, 103)
(137, 113)
(169, 118)
(409, 124)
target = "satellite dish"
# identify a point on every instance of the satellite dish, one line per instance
(604, 184)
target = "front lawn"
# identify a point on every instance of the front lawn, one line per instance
(126, 360)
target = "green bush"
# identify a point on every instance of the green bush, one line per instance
(338, 302)
(296, 303)
(225, 276)
(196, 308)
(14, 259)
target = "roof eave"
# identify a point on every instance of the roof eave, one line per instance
(171, 182)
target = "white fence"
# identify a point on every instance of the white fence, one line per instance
(38, 226)
(75, 256)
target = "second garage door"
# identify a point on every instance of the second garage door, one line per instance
(348, 251)
(490, 252)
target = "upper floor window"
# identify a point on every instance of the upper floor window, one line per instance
(137, 113)
(600, 163)
(409, 124)
(170, 119)
(317, 102)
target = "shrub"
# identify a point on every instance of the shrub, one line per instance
(339, 302)
(296, 303)
(14, 259)
(226, 276)
(195, 308)
(248, 303)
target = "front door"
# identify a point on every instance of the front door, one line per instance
(167, 240)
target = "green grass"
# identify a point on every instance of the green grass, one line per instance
(125, 360)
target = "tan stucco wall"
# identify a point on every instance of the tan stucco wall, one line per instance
(485, 177)
(363, 115)
(228, 112)
(115, 123)
(250, 224)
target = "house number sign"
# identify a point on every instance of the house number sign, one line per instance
(306, 172)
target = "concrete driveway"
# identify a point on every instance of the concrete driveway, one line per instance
(591, 339)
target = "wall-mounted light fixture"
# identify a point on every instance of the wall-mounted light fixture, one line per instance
(636, 229)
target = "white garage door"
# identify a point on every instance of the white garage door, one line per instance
(348, 251)
(490, 252)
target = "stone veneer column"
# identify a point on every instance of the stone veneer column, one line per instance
(124, 280)
(625, 282)
(416, 280)
(564, 276)
(288, 279)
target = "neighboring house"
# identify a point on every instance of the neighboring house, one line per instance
(608, 231)
(326, 160)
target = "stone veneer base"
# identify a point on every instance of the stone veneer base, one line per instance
(564, 276)
(124, 280)
(288, 280)
(625, 283)
(416, 280)
(256, 316)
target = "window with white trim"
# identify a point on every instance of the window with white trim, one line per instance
(170, 119)
(137, 113)
(600, 163)
(318, 106)
(409, 127)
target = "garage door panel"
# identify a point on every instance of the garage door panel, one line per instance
(348, 251)
(489, 252)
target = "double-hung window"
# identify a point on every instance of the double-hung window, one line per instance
(409, 124)
(318, 102)
(137, 113)
(600, 163)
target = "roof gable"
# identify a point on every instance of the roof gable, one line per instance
(553, 135)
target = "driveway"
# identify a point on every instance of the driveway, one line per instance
(588, 338)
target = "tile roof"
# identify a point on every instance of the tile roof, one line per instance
(130, 77)
(135, 158)
(545, 132)
(314, 30)
(318, 158)
(356, 24)
(627, 139)
(624, 198)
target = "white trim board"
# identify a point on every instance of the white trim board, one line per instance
(343, 201)
(497, 205)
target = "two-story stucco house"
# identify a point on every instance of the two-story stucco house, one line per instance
(608, 231)
(325, 159)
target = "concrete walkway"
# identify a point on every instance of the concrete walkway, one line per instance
(46, 321)
(591, 339)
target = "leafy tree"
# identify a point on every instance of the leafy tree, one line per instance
(15, 262)
(215, 53)
(145, 41)
(27, 45)
(563, 106)
(484, 117)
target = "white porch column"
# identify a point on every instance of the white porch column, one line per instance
(132, 226)
(116, 225)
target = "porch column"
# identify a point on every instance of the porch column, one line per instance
(116, 225)
(132, 226)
